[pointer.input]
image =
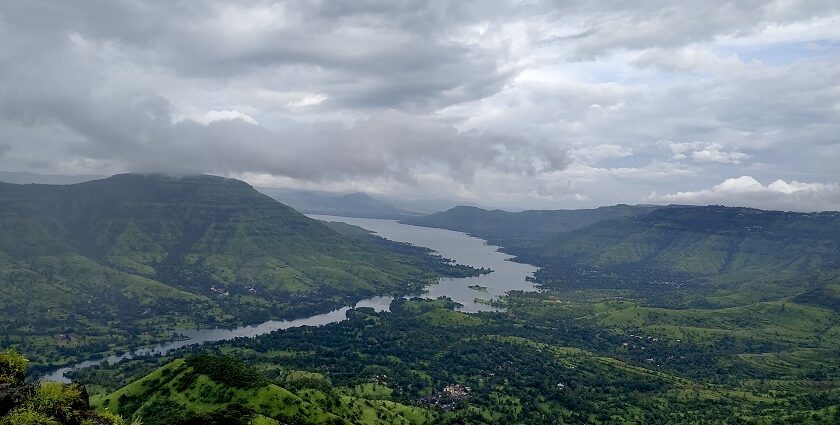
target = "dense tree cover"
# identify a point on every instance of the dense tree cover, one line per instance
(46, 403)
(113, 263)
(539, 362)
(226, 370)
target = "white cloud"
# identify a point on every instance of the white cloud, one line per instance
(213, 116)
(747, 191)
(309, 99)
(468, 98)
(713, 152)
(686, 59)
(591, 154)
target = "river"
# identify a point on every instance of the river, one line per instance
(464, 249)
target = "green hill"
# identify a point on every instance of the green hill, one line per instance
(223, 390)
(707, 240)
(728, 255)
(106, 264)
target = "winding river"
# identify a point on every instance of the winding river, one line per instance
(469, 291)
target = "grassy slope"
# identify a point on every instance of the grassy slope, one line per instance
(177, 383)
(706, 241)
(109, 259)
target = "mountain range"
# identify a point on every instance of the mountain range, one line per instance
(714, 255)
(94, 266)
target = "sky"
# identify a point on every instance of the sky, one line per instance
(532, 104)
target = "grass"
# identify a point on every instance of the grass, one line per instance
(778, 321)
(177, 383)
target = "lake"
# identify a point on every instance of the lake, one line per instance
(464, 249)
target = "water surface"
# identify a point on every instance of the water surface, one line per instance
(464, 249)
(457, 246)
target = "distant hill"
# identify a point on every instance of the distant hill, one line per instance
(708, 255)
(672, 255)
(506, 227)
(29, 178)
(706, 240)
(328, 203)
(104, 261)
(430, 205)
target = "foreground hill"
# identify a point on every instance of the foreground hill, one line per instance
(328, 203)
(546, 361)
(225, 391)
(499, 226)
(97, 265)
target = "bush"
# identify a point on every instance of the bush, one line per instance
(60, 401)
(12, 367)
(28, 417)
(48, 403)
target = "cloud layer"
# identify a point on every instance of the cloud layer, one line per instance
(778, 195)
(549, 104)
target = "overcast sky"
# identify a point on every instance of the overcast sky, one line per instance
(538, 104)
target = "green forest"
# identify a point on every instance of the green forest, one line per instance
(97, 267)
(648, 315)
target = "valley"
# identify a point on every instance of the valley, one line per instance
(96, 268)
(374, 212)
(631, 314)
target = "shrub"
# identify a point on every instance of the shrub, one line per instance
(59, 400)
(12, 367)
(28, 417)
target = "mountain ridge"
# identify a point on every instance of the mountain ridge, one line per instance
(138, 251)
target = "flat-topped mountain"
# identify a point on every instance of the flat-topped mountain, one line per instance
(706, 240)
(142, 251)
(725, 255)
(713, 255)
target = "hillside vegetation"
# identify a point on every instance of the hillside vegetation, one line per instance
(705, 256)
(223, 390)
(118, 262)
(546, 360)
(46, 403)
